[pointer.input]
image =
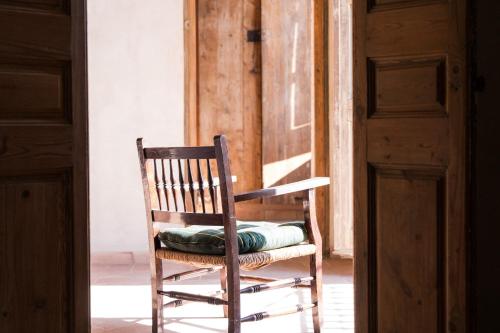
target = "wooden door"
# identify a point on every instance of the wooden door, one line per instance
(43, 167)
(223, 82)
(287, 101)
(226, 92)
(409, 165)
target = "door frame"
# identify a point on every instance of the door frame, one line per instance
(81, 207)
(320, 116)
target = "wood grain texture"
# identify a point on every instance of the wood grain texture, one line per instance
(320, 147)
(44, 166)
(229, 82)
(35, 91)
(224, 91)
(190, 72)
(407, 87)
(412, 289)
(430, 21)
(410, 218)
(39, 276)
(408, 141)
(341, 119)
(20, 34)
(287, 93)
(30, 149)
(252, 97)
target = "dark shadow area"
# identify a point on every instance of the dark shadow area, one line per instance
(485, 167)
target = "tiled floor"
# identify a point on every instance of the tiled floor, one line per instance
(121, 299)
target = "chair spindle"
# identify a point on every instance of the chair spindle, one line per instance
(181, 184)
(191, 184)
(201, 184)
(211, 187)
(165, 183)
(172, 182)
(157, 183)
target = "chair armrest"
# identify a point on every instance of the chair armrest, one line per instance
(283, 189)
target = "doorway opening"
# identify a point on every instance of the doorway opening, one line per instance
(272, 77)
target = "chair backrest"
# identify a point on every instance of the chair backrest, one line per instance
(187, 185)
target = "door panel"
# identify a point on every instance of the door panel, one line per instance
(43, 167)
(37, 91)
(409, 292)
(35, 216)
(409, 165)
(287, 101)
(224, 94)
(229, 84)
(407, 141)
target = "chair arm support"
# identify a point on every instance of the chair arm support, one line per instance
(283, 189)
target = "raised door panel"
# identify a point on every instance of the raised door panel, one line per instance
(406, 87)
(406, 221)
(36, 241)
(33, 91)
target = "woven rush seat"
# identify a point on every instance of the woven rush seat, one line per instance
(248, 261)
(253, 236)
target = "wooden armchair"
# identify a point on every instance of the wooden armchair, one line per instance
(181, 187)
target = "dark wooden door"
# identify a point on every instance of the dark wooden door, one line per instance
(43, 167)
(409, 172)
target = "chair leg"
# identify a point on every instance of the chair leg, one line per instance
(223, 286)
(316, 271)
(157, 300)
(233, 297)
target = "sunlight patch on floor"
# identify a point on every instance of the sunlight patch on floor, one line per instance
(126, 308)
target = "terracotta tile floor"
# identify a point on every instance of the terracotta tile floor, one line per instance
(121, 300)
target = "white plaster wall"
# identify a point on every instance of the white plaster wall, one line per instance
(135, 54)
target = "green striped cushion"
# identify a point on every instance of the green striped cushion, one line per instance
(252, 237)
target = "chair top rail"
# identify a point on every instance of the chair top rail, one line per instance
(203, 152)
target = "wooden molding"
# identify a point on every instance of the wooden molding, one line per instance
(190, 73)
